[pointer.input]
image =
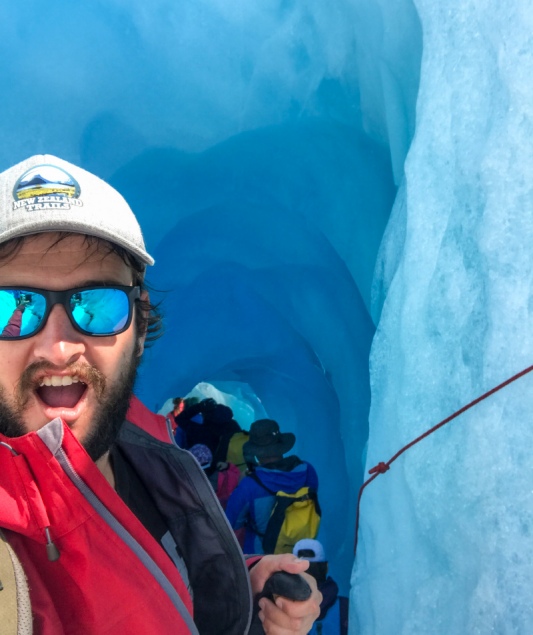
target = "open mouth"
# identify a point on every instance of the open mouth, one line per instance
(61, 391)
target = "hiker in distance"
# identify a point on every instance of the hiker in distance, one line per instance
(253, 503)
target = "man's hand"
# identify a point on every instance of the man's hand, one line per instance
(285, 617)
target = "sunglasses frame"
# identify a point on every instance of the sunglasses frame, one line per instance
(63, 297)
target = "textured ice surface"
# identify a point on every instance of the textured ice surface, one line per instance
(445, 543)
(240, 397)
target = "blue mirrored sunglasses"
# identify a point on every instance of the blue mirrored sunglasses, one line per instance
(99, 311)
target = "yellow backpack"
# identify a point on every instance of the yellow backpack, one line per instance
(235, 454)
(293, 517)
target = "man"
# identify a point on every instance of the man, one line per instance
(117, 529)
(170, 410)
(251, 503)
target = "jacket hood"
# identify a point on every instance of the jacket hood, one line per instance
(289, 474)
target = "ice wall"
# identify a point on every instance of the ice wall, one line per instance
(445, 542)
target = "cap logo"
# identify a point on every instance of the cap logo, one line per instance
(46, 187)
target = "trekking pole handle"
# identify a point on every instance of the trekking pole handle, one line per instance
(289, 585)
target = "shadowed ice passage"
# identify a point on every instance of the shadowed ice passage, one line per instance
(254, 290)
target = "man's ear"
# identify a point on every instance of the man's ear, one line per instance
(145, 298)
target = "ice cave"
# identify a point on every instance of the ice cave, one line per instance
(339, 199)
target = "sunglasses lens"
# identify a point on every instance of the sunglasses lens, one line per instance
(21, 312)
(103, 311)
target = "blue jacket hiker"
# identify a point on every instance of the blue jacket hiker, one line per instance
(251, 503)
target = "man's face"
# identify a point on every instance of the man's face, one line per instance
(95, 374)
(179, 408)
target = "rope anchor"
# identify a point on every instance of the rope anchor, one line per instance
(380, 468)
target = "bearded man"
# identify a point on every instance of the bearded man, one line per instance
(116, 528)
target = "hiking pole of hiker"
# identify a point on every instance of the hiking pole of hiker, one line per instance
(289, 585)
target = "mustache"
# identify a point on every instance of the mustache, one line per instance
(31, 376)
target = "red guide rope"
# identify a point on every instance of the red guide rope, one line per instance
(382, 467)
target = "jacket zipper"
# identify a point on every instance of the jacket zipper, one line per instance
(128, 539)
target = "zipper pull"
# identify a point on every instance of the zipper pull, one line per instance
(51, 550)
(5, 445)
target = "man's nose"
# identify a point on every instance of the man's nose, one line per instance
(59, 342)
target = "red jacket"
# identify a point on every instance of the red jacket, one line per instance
(112, 576)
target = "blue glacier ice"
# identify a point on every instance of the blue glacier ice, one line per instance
(445, 535)
(338, 196)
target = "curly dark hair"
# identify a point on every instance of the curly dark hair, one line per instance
(148, 319)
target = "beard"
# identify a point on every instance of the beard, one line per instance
(111, 414)
(107, 419)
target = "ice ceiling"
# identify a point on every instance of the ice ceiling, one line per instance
(307, 173)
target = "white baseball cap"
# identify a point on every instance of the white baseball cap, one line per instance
(46, 194)
(308, 546)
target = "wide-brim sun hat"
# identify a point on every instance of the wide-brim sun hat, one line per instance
(47, 194)
(267, 441)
